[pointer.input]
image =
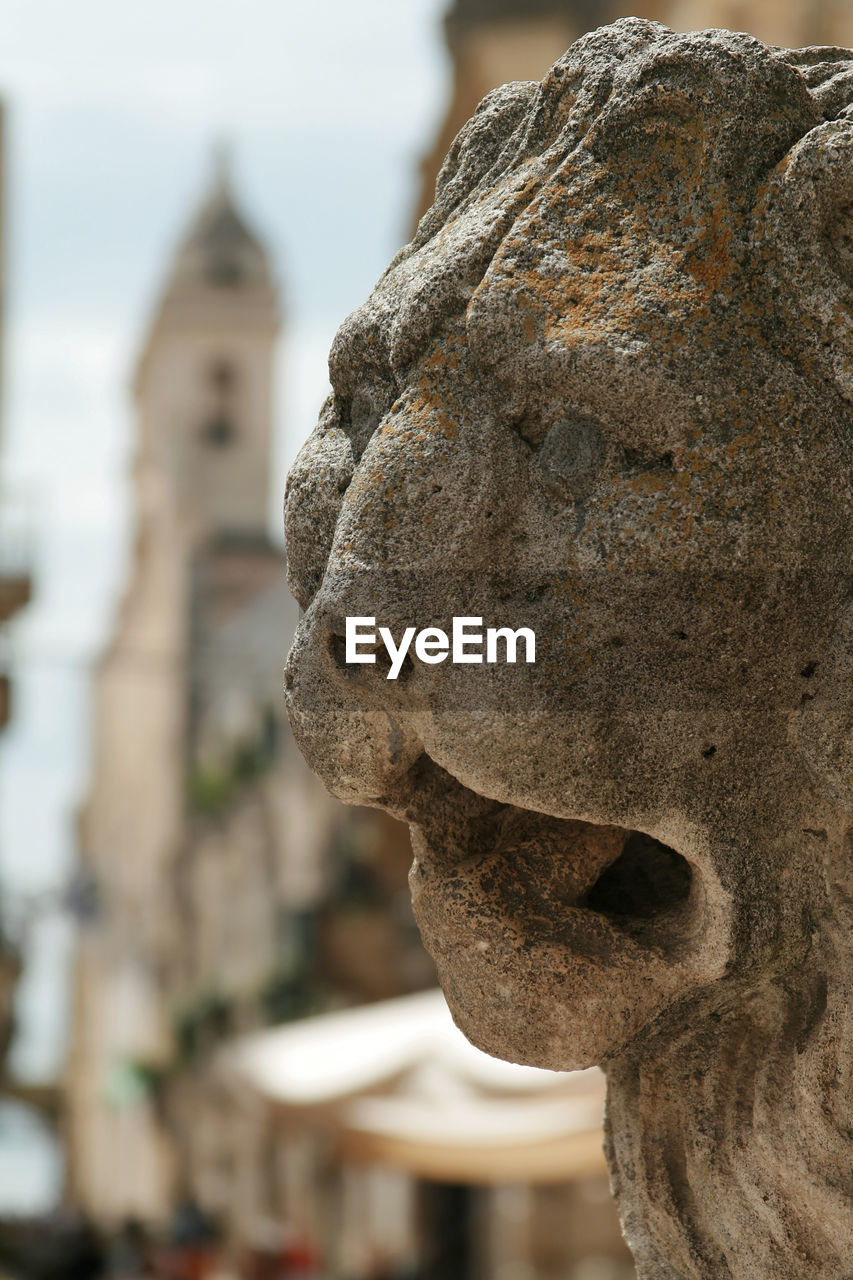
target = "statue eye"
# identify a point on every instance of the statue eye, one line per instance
(569, 454)
(572, 456)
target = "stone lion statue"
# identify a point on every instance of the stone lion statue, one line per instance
(605, 394)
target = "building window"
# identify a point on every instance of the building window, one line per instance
(219, 430)
(223, 377)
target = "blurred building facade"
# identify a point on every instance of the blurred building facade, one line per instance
(226, 883)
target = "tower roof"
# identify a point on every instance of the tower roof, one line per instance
(221, 276)
(220, 248)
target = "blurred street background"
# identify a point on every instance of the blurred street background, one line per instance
(222, 1051)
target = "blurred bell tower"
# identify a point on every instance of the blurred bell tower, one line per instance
(204, 382)
(204, 398)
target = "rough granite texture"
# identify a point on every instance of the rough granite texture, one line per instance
(607, 393)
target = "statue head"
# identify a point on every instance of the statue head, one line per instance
(605, 394)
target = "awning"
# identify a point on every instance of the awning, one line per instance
(404, 1088)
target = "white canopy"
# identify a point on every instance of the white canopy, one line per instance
(404, 1087)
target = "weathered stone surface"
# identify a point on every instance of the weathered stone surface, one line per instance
(606, 394)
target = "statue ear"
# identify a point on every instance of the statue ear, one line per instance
(804, 234)
(474, 150)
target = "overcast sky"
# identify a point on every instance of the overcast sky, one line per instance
(113, 110)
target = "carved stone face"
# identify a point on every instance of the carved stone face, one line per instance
(596, 397)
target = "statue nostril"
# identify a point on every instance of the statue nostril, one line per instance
(338, 650)
(379, 669)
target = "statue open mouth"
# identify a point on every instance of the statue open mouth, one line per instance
(543, 918)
